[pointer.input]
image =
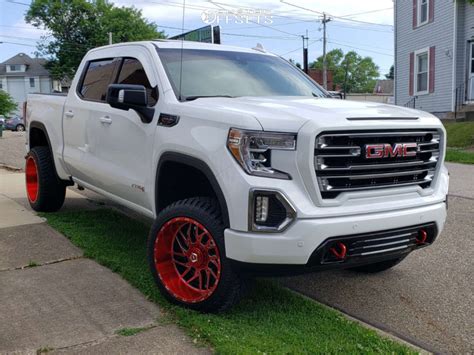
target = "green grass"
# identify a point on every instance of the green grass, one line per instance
(126, 332)
(460, 134)
(459, 156)
(32, 263)
(271, 319)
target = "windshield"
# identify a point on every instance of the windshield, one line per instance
(231, 74)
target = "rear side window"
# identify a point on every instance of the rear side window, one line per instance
(98, 76)
(133, 73)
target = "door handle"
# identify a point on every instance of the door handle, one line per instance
(105, 119)
(69, 114)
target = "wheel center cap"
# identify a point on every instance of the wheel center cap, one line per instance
(194, 258)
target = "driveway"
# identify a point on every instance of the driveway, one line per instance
(428, 299)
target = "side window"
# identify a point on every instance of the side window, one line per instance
(132, 73)
(99, 74)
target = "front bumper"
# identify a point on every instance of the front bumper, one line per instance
(296, 245)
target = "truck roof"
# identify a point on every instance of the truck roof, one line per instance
(168, 43)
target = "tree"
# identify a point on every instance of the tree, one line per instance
(7, 104)
(391, 74)
(76, 26)
(350, 71)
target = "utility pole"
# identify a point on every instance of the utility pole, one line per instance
(110, 37)
(305, 53)
(325, 69)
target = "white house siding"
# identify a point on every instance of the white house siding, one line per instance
(461, 42)
(16, 88)
(45, 85)
(439, 33)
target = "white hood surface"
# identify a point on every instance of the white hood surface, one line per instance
(290, 113)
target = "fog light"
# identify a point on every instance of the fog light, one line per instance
(261, 208)
(269, 211)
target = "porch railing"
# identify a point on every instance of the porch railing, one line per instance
(461, 96)
(411, 103)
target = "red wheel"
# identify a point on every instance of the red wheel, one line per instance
(45, 191)
(186, 255)
(187, 260)
(32, 184)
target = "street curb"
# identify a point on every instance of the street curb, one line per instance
(380, 329)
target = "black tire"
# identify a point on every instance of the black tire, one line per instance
(50, 190)
(378, 267)
(204, 211)
(20, 128)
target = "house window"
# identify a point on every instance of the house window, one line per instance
(32, 82)
(14, 68)
(423, 11)
(422, 71)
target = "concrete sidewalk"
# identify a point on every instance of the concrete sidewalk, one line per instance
(52, 298)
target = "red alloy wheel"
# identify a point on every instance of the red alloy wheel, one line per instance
(187, 260)
(32, 185)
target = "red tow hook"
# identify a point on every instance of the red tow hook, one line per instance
(340, 252)
(421, 237)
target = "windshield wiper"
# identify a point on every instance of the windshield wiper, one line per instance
(191, 98)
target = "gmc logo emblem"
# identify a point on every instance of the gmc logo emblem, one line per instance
(380, 151)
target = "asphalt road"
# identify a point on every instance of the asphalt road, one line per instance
(427, 299)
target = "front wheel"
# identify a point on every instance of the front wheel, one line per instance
(378, 267)
(186, 255)
(20, 128)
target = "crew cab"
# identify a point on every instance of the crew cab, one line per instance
(244, 163)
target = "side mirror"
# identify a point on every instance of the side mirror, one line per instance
(126, 97)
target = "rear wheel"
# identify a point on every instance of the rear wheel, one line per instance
(20, 128)
(186, 254)
(45, 191)
(378, 267)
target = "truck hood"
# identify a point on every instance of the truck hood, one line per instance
(289, 113)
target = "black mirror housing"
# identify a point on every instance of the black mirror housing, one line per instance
(126, 97)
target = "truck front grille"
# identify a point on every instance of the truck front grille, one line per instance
(358, 161)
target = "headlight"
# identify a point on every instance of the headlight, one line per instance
(252, 150)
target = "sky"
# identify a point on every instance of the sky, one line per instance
(365, 26)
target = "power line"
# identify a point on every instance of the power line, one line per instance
(17, 2)
(299, 48)
(366, 50)
(336, 17)
(368, 12)
(19, 44)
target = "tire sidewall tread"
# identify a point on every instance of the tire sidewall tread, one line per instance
(51, 190)
(205, 211)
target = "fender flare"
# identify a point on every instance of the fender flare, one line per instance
(42, 127)
(199, 165)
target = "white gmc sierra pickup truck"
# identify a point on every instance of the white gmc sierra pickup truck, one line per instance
(245, 164)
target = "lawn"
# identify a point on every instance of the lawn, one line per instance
(460, 139)
(271, 319)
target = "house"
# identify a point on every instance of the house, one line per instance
(434, 55)
(317, 75)
(21, 75)
(383, 87)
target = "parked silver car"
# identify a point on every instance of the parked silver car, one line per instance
(16, 123)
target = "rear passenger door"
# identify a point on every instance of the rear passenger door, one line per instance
(86, 99)
(121, 145)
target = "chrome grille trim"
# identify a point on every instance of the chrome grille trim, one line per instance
(341, 166)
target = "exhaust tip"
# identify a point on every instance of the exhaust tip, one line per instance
(421, 237)
(339, 251)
